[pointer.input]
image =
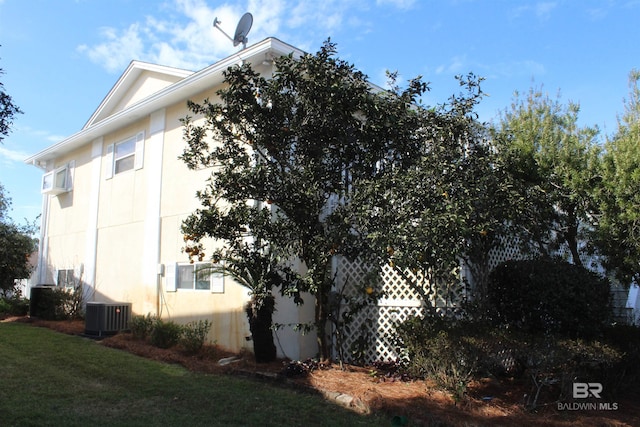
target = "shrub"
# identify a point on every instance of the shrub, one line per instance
(56, 303)
(626, 339)
(437, 350)
(5, 306)
(141, 326)
(550, 296)
(19, 306)
(165, 334)
(452, 354)
(194, 335)
(14, 305)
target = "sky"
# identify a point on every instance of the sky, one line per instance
(61, 57)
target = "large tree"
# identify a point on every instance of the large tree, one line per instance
(619, 226)
(285, 152)
(554, 168)
(7, 111)
(16, 245)
(445, 207)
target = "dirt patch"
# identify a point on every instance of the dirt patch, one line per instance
(418, 403)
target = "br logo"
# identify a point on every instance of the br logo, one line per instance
(585, 390)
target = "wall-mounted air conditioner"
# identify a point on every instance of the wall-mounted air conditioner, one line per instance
(58, 180)
(103, 319)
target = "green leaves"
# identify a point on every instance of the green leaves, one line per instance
(553, 165)
(619, 201)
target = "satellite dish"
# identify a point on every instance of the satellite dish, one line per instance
(242, 30)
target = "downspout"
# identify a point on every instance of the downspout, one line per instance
(41, 270)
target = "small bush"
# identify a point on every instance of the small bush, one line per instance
(19, 306)
(550, 296)
(165, 334)
(141, 326)
(437, 351)
(5, 306)
(194, 335)
(626, 339)
(14, 305)
(56, 303)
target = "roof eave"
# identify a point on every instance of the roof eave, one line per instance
(179, 91)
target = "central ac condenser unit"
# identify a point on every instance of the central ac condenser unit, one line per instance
(106, 318)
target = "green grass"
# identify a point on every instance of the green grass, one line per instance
(52, 379)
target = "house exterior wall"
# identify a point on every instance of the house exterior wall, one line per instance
(120, 232)
(146, 84)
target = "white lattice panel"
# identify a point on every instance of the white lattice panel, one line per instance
(373, 329)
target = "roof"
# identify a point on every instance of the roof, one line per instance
(187, 84)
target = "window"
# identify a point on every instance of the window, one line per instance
(125, 155)
(193, 277)
(66, 278)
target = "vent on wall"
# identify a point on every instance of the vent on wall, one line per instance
(106, 318)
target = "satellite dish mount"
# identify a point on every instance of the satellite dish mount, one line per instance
(242, 30)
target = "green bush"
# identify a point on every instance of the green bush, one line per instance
(437, 349)
(165, 334)
(5, 306)
(194, 335)
(141, 326)
(19, 306)
(452, 353)
(550, 296)
(626, 339)
(56, 303)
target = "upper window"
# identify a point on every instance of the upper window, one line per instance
(125, 155)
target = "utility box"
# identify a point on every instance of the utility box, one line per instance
(102, 319)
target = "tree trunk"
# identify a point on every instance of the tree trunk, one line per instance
(261, 333)
(321, 313)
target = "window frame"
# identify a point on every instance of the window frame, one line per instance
(173, 278)
(131, 154)
(138, 155)
(68, 281)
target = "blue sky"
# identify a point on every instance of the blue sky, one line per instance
(61, 57)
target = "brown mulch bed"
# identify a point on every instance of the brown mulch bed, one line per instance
(488, 402)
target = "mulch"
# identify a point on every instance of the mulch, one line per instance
(418, 403)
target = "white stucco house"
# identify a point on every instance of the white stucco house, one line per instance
(115, 194)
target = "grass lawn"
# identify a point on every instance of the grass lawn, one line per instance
(52, 379)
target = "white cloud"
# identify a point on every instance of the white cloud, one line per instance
(11, 156)
(181, 34)
(401, 4)
(542, 10)
(118, 49)
(187, 41)
(455, 66)
(527, 68)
